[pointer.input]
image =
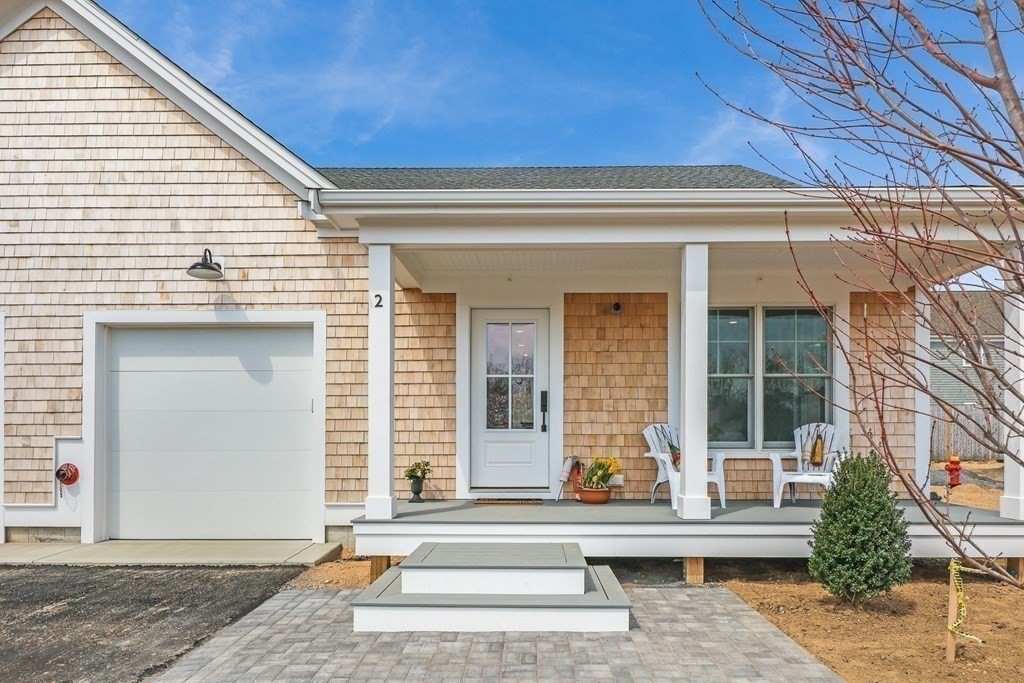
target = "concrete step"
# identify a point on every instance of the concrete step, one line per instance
(384, 606)
(495, 569)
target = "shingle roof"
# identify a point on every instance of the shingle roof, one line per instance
(984, 307)
(553, 178)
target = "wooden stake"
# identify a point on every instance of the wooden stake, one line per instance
(695, 570)
(378, 565)
(950, 620)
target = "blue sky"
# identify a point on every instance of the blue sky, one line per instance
(459, 83)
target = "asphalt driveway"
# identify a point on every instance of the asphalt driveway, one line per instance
(118, 623)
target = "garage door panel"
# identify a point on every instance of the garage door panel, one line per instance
(212, 391)
(209, 472)
(262, 349)
(212, 431)
(200, 515)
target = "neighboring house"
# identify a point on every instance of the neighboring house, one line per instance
(952, 378)
(370, 318)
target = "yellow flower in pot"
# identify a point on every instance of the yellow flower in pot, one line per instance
(595, 482)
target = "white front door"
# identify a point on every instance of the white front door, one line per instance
(509, 397)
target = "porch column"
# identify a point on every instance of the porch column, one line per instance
(380, 378)
(693, 502)
(922, 401)
(1011, 504)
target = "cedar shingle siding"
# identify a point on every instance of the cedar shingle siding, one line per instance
(889, 322)
(109, 191)
(616, 381)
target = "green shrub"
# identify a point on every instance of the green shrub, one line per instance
(860, 546)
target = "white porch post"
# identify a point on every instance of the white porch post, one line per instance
(1011, 504)
(922, 402)
(380, 446)
(693, 502)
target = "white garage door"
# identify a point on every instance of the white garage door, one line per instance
(211, 433)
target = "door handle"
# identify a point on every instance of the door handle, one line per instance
(543, 411)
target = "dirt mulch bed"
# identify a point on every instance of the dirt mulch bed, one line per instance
(896, 637)
(982, 487)
(347, 571)
(973, 496)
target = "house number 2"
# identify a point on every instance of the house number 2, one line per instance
(378, 301)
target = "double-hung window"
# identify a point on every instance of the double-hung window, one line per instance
(730, 377)
(756, 399)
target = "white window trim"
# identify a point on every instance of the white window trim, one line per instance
(94, 398)
(839, 416)
(753, 376)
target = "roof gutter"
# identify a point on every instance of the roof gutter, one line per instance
(350, 207)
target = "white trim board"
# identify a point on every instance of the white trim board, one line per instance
(3, 423)
(483, 619)
(65, 508)
(94, 397)
(465, 301)
(342, 514)
(690, 539)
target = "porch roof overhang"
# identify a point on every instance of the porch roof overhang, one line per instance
(425, 218)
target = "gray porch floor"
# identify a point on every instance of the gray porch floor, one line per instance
(638, 512)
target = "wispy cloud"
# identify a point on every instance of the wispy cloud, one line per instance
(207, 51)
(729, 136)
(370, 73)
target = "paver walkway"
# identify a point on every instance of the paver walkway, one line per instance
(678, 633)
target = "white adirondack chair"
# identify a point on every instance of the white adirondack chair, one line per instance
(658, 437)
(805, 473)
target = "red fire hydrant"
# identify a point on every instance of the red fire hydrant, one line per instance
(953, 470)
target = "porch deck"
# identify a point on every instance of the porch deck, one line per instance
(640, 529)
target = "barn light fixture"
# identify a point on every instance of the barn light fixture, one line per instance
(206, 269)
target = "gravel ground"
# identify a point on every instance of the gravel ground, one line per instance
(118, 623)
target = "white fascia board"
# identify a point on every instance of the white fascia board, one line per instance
(501, 234)
(177, 85)
(755, 199)
(423, 217)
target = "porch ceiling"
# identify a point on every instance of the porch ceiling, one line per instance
(546, 260)
(417, 265)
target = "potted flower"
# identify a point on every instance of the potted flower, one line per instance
(416, 474)
(594, 489)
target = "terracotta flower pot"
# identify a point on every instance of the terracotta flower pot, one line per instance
(593, 496)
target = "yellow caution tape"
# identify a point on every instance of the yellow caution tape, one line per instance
(955, 567)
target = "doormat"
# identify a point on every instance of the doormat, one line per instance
(508, 501)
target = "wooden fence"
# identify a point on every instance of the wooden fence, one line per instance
(950, 439)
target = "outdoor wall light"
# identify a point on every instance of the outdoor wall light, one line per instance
(206, 269)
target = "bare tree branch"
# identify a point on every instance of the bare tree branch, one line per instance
(919, 97)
